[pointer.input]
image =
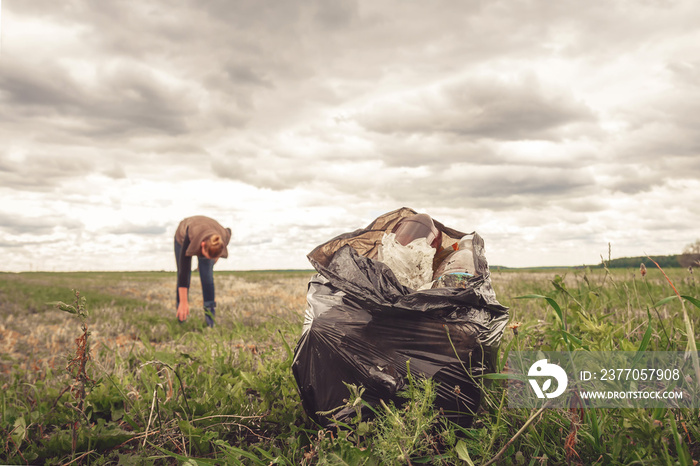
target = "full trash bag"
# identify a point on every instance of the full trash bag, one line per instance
(362, 327)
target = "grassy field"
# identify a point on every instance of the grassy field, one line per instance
(154, 391)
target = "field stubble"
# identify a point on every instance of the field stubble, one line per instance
(131, 312)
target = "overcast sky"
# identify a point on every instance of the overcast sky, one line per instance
(551, 128)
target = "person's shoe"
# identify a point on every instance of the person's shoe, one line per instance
(209, 315)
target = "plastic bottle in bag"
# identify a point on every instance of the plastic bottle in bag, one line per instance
(456, 268)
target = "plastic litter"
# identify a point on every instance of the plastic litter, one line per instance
(418, 226)
(460, 261)
(411, 263)
(362, 326)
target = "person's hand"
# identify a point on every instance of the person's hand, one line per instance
(183, 311)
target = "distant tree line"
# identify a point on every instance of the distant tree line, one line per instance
(689, 258)
(632, 262)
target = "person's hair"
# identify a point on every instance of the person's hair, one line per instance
(214, 245)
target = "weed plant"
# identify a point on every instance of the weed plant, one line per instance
(167, 393)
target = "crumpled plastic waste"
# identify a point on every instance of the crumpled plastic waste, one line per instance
(363, 326)
(412, 263)
(417, 226)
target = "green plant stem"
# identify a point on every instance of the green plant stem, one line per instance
(661, 322)
(498, 424)
(79, 457)
(517, 434)
(177, 374)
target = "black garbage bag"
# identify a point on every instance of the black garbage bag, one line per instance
(362, 327)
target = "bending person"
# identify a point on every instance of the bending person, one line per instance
(205, 238)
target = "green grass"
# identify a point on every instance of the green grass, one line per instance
(168, 393)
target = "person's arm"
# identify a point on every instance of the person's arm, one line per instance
(183, 279)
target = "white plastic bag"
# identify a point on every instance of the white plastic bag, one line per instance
(412, 264)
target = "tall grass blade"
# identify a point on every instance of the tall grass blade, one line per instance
(695, 302)
(666, 300)
(521, 377)
(681, 448)
(595, 429)
(692, 346)
(644, 344)
(557, 310)
(185, 459)
(288, 349)
(550, 301)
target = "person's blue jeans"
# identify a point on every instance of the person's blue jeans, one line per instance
(206, 277)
